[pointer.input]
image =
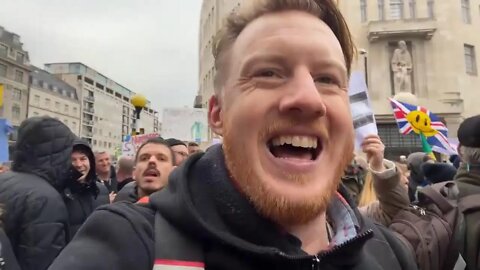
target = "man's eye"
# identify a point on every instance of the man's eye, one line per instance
(266, 73)
(326, 80)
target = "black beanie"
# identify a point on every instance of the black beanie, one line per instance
(469, 132)
(80, 148)
(439, 172)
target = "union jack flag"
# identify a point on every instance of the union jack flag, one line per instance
(439, 141)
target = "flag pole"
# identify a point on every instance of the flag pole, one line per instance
(426, 147)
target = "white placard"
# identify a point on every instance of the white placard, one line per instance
(362, 112)
(186, 124)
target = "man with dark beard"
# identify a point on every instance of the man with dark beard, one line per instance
(267, 198)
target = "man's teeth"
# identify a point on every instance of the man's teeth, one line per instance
(297, 141)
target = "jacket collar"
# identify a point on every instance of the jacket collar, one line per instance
(201, 200)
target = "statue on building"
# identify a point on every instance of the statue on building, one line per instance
(402, 68)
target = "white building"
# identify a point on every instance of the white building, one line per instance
(106, 110)
(441, 37)
(53, 97)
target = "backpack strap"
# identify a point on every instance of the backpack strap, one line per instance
(437, 198)
(174, 250)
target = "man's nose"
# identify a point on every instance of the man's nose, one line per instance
(303, 96)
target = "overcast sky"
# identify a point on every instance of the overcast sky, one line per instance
(148, 46)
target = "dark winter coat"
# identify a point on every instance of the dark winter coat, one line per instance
(36, 218)
(124, 183)
(128, 193)
(82, 199)
(201, 202)
(468, 184)
(111, 186)
(8, 261)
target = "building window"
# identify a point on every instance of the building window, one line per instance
(17, 95)
(470, 59)
(109, 145)
(74, 125)
(47, 102)
(3, 50)
(36, 99)
(431, 9)
(381, 10)
(3, 69)
(94, 142)
(66, 108)
(466, 11)
(57, 106)
(35, 113)
(20, 57)
(75, 110)
(16, 112)
(65, 121)
(412, 6)
(396, 9)
(363, 10)
(19, 76)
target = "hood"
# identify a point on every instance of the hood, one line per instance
(43, 148)
(72, 186)
(414, 162)
(85, 147)
(201, 200)
(438, 172)
(469, 175)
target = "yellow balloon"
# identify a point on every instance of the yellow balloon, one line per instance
(421, 122)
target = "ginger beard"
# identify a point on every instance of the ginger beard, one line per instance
(269, 203)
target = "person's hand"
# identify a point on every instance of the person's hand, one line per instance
(82, 178)
(374, 148)
(112, 196)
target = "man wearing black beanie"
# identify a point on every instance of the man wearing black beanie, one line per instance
(468, 181)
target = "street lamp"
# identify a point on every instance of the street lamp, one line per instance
(365, 63)
(139, 102)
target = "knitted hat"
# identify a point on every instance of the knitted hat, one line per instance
(469, 132)
(439, 172)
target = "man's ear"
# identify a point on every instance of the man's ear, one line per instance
(215, 119)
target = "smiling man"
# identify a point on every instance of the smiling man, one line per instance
(267, 198)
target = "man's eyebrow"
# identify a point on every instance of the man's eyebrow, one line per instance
(330, 63)
(264, 57)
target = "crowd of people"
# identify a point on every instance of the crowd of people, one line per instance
(284, 190)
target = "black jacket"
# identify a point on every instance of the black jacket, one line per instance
(82, 199)
(468, 182)
(201, 201)
(124, 183)
(8, 261)
(111, 186)
(128, 193)
(36, 218)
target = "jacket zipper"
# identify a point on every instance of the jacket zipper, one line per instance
(318, 258)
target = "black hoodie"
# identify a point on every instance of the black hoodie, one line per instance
(201, 202)
(36, 218)
(82, 198)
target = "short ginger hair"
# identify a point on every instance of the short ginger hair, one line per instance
(325, 10)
